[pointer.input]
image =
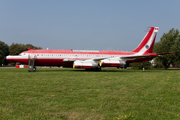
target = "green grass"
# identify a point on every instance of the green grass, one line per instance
(52, 93)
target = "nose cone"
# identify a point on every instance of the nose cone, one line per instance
(9, 58)
(12, 58)
(17, 58)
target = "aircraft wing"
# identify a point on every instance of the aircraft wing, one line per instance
(74, 59)
(145, 56)
(138, 56)
(98, 59)
(69, 60)
(128, 57)
(165, 53)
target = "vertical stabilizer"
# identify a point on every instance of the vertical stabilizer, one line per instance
(147, 44)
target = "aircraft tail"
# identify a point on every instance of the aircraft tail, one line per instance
(147, 44)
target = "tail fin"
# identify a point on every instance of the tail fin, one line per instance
(147, 44)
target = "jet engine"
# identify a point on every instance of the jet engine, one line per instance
(112, 63)
(85, 64)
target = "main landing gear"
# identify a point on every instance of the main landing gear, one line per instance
(31, 67)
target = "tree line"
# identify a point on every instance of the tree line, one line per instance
(13, 49)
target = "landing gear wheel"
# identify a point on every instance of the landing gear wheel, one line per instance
(34, 69)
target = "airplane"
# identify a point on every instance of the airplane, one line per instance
(89, 59)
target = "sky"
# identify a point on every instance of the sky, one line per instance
(85, 24)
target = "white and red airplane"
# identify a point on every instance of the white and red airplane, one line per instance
(90, 59)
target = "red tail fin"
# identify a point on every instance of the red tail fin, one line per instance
(147, 44)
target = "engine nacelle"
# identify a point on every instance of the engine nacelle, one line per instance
(112, 63)
(85, 64)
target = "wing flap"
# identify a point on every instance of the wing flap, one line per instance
(138, 56)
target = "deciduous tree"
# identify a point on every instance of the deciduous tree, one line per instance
(169, 42)
(32, 47)
(16, 49)
(4, 51)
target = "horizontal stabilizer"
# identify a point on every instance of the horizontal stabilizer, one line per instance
(139, 56)
(164, 53)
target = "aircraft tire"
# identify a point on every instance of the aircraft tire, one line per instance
(34, 69)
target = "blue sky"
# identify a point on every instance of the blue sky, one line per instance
(85, 24)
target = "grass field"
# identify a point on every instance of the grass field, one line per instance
(53, 93)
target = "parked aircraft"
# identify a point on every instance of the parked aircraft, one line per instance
(89, 59)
